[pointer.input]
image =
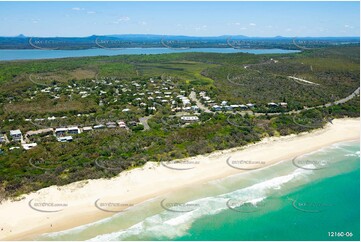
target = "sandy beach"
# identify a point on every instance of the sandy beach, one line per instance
(58, 208)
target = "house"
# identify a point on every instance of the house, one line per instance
(111, 125)
(122, 124)
(283, 104)
(16, 135)
(73, 130)
(250, 105)
(99, 126)
(189, 119)
(2, 138)
(272, 105)
(217, 108)
(29, 146)
(185, 101)
(228, 108)
(86, 129)
(195, 108)
(65, 139)
(242, 106)
(60, 131)
(224, 103)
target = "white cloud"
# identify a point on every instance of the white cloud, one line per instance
(243, 28)
(252, 24)
(199, 28)
(122, 19)
(91, 12)
(348, 26)
(143, 23)
(77, 9)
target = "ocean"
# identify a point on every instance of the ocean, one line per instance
(33, 54)
(313, 197)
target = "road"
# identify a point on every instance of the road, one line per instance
(144, 121)
(193, 97)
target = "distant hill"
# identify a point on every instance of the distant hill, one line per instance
(167, 41)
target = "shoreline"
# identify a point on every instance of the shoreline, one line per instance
(141, 184)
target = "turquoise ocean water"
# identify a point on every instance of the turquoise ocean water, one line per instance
(319, 201)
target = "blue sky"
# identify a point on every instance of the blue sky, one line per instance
(180, 18)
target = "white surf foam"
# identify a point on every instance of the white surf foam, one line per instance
(169, 224)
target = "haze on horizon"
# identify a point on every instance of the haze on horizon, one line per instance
(255, 19)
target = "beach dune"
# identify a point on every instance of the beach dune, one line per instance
(58, 208)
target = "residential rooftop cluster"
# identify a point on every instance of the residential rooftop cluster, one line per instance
(62, 134)
(225, 106)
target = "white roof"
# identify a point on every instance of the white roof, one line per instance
(29, 146)
(15, 132)
(189, 118)
(65, 138)
(99, 126)
(61, 130)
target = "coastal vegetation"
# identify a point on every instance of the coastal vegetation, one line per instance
(92, 90)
